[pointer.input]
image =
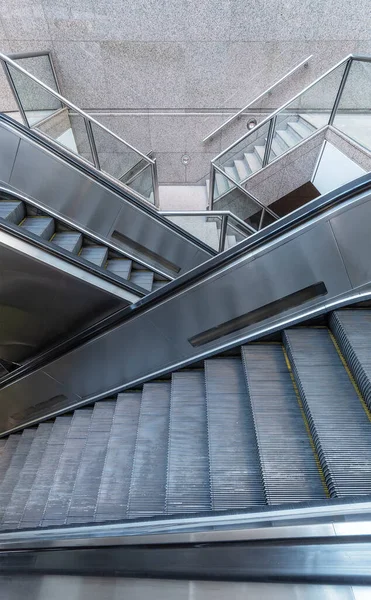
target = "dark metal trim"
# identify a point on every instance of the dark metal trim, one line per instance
(260, 314)
(101, 178)
(92, 145)
(339, 560)
(268, 144)
(223, 233)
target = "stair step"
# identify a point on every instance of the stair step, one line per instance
(260, 151)
(253, 161)
(12, 211)
(288, 137)
(188, 488)
(120, 267)
(242, 169)
(143, 279)
(7, 453)
(232, 172)
(235, 475)
(352, 330)
(207, 183)
(339, 425)
(84, 496)
(301, 129)
(148, 481)
(288, 464)
(69, 240)
(11, 477)
(114, 487)
(43, 480)
(277, 147)
(43, 227)
(222, 184)
(21, 492)
(95, 254)
(58, 501)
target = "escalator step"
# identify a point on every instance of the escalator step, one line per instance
(235, 473)
(12, 211)
(115, 482)
(84, 496)
(188, 487)
(43, 480)
(148, 480)
(120, 267)
(95, 254)
(7, 453)
(143, 279)
(10, 479)
(62, 487)
(21, 492)
(43, 227)
(69, 240)
(288, 463)
(352, 330)
(339, 425)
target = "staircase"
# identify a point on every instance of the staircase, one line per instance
(290, 132)
(43, 226)
(275, 423)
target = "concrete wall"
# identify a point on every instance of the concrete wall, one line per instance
(166, 72)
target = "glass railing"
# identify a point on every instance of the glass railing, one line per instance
(218, 229)
(341, 98)
(42, 108)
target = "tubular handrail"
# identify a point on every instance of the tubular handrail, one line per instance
(61, 98)
(269, 89)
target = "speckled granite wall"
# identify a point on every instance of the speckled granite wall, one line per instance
(166, 72)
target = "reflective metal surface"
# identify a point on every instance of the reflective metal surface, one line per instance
(47, 587)
(72, 194)
(311, 253)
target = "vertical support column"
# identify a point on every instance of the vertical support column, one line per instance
(211, 187)
(93, 147)
(156, 195)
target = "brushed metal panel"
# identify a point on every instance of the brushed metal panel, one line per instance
(57, 185)
(352, 230)
(8, 145)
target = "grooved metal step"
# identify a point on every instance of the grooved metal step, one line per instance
(43, 227)
(148, 480)
(114, 487)
(12, 211)
(235, 474)
(352, 330)
(188, 488)
(18, 459)
(84, 496)
(289, 467)
(120, 267)
(339, 425)
(95, 254)
(142, 278)
(69, 240)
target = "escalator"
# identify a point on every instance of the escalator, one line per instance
(237, 394)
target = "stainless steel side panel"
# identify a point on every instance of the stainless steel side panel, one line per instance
(158, 339)
(57, 185)
(9, 146)
(47, 587)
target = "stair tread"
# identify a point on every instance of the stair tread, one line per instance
(84, 496)
(288, 463)
(253, 161)
(242, 169)
(235, 476)
(187, 486)
(143, 279)
(95, 254)
(114, 487)
(301, 129)
(120, 267)
(148, 480)
(10, 479)
(69, 240)
(333, 409)
(12, 211)
(222, 184)
(288, 137)
(41, 226)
